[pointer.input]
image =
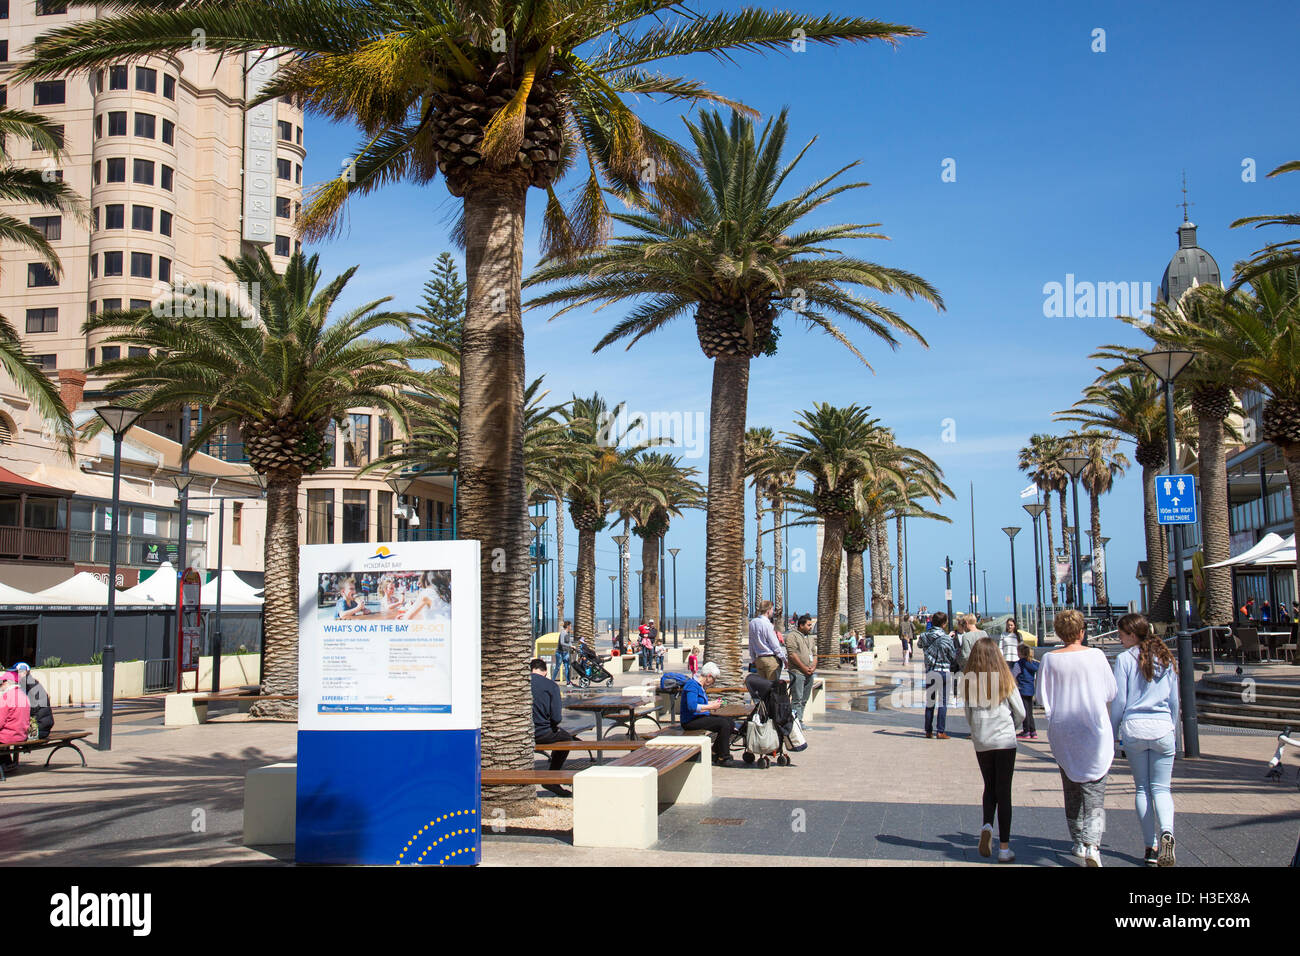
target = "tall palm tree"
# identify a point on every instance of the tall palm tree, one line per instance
(23, 185)
(1258, 335)
(498, 98)
(1275, 255)
(1041, 460)
(1133, 408)
(661, 488)
(280, 375)
(858, 528)
(735, 263)
(838, 448)
(1105, 464)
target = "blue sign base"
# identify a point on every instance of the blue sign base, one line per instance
(385, 797)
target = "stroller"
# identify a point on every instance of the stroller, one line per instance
(589, 668)
(771, 702)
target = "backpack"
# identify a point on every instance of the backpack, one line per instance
(673, 680)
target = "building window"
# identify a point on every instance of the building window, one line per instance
(115, 216)
(285, 130)
(116, 169)
(169, 132)
(138, 304)
(146, 79)
(145, 125)
(164, 222)
(113, 305)
(57, 133)
(135, 351)
(282, 206)
(320, 516)
(45, 8)
(297, 174)
(4, 49)
(237, 523)
(166, 179)
(281, 245)
(4, 9)
(384, 516)
(46, 363)
(40, 276)
(141, 265)
(110, 353)
(94, 219)
(50, 93)
(94, 273)
(169, 86)
(164, 269)
(112, 267)
(117, 78)
(95, 168)
(356, 447)
(356, 516)
(331, 441)
(142, 218)
(282, 168)
(117, 123)
(299, 135)
(42, 320)
(50, 227)
(90, 353)
(99, 125)
(142, 172)
(385, 434)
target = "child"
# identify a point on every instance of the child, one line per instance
(659, 656)
(1025, 671)
(992, 708)
(693, 661)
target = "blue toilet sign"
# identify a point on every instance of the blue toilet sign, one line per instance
(1176, 499)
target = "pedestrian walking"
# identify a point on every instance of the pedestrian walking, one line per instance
(693, 660)
(939, 652)
(906, 634)
(1144, 715)
(563, 651)
(1010, 642)
(1025, 672)
(1076, 686)
(993, 706)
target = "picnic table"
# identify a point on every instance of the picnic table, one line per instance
(734, 711)
(612, 706)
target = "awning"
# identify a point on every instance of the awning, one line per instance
(1270, 542)
(11, 481)
(157, 588)
(82, 588)
(234, 592)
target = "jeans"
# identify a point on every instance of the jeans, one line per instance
(997, 767)
(1152, 762)
(561, 660)
(936, 693)
(1085, 809)
(801, 686)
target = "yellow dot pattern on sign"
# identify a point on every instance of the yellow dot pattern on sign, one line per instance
(415, 838)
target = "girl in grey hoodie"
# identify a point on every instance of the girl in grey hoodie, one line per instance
(993, 708)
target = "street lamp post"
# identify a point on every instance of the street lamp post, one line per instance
(640, 599)
(1167, 366)
(1105, 592)
(118, 419)
(947, 578)
(182, 483)
(538, 522)
(749, 585)
(613, 609)
(1035, 510)
(401, 484)
(1074, 465)
(1015, 607)
(673, 552)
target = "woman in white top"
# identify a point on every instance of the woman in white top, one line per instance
(428, 601)
(1144, 714)
(993, 707)
(1075, 687)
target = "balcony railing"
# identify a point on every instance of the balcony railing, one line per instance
(33, 544)
(425, 534)
(232, 451)
(139, 551)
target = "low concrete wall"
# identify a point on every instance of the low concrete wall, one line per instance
(82, 685)
(237, 670)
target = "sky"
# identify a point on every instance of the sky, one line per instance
(1010, 147)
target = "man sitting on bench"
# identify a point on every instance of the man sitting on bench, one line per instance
(697, 713)
(38, 698)
(15, 715)
(547, 714)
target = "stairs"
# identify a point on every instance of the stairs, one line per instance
(1233, 701)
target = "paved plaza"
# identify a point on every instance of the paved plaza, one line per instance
(870, 789)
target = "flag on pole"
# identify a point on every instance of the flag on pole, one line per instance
(1030, 492)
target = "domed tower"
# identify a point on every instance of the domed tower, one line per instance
(1191, 265)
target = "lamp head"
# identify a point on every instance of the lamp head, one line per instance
(1035, 509)
(1011, 532)
(1167, 364)
(118, 418)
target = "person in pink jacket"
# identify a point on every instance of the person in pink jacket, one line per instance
(15, 710)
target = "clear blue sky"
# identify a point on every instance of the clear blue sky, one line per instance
(1067, 161)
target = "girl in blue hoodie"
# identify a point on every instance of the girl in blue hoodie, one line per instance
(1144, 714)
(1025, 671)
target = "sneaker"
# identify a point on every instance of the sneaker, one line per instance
(1033, 736)
(1006, 856)
(1166, 854)
(1094, 856)
(1022, 736)
(1079, 850)
(1151, 856)
(986, 840)
(722, 761)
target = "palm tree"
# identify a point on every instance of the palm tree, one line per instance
(858, 528)
(923, 480)
(280, 375)
(1105, 464)
(1041, 460)
(660, 490)
(1275, 255)
(766, 463)
(734, 264)
(1133, 408)
(22, 185)
(1258, 336)
(839, 448)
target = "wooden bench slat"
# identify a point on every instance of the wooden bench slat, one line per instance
(590, 745)
(661, 759)
(497, 778)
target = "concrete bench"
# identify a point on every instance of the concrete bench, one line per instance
(617, 805)
(188, 709)
(816, 706)
(271, 804)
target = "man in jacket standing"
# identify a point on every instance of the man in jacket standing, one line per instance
(940, 652)
(801, 654)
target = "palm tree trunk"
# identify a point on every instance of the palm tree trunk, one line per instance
(902, 587)
(625, 584)
(1291, 455)
(828, 587)
(1159, 601)
(758, 546)
(1066, 541)
(492, 496)
(1051, 548)
(650, 577)
(857, 594)
(584, 586)
(887, 580)
(778, 558)
(724, 565)
(559, 561)
(1098, 578)
(280, 609)
(872, 575)
(1214, 520)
